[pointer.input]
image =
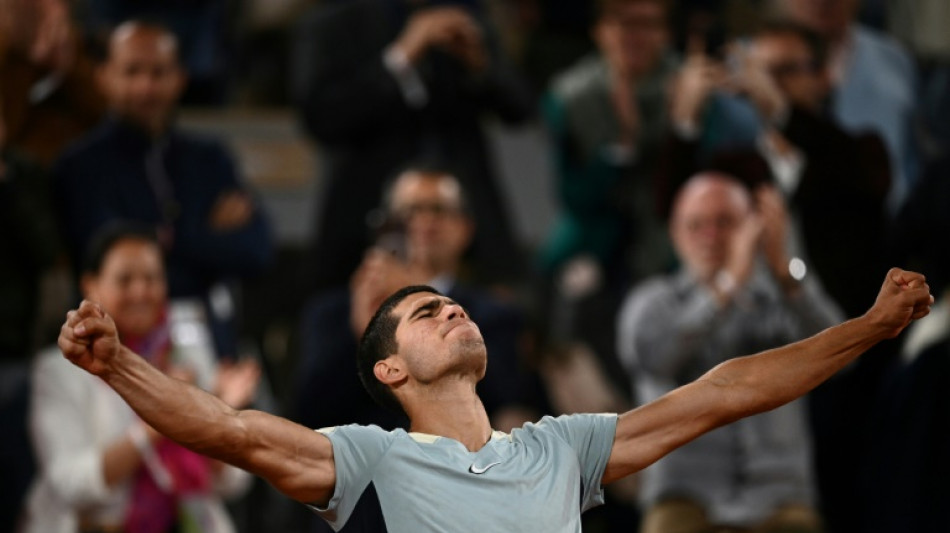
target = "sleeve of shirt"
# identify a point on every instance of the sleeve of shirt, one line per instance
(356, 452)
(591, 436)
(63, 437)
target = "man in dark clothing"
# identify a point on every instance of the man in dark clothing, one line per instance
(136, 165)
(411, 80)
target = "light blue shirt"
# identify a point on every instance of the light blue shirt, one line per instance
(537, 479)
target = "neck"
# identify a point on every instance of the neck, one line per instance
(452, 413)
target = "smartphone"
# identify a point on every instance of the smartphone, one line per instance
(390, 235)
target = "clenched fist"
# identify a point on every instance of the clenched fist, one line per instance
(904, 296)
(89, 338)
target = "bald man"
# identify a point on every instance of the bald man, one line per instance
(137, 166)
(737, 292)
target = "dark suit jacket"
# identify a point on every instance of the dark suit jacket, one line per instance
(352, 106)
(103, 177)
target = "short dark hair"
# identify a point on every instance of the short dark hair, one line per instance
(111, 234)
(817, 45)
(604, 8)
(379, 342)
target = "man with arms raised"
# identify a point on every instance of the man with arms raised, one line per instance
(452, 472)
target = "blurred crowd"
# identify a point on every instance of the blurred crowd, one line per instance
(729, 176)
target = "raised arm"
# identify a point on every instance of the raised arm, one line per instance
(748, 385)
(296, 460)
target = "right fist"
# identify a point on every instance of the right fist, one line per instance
(89, 338)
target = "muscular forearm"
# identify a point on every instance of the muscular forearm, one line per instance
(760, 382)
(182, 412)
(748, 385)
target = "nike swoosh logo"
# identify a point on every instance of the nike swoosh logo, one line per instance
(476, 470)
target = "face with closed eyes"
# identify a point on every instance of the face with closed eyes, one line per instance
(437, 338)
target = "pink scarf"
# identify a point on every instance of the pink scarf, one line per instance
(151, 508)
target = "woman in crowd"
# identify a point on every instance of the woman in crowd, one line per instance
(101, 468)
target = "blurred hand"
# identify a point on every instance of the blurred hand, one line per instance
(699, 76)
(379, 275)
(774, 215)
(232, 210)
(237, 382)
(744, 248)
(53, 45)
(89, 338)
(753, 80)
(450, 28)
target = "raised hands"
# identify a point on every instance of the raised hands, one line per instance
(449, 28)
(750, 78)
(770, 206)
(89, 338)
(232, 210)
(237, 382)
(699, 76)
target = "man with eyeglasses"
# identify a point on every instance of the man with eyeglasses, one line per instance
(733, 295)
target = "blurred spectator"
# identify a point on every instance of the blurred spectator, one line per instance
(48, 96)
(921, 25)
(427, 232)
(607, 116)
(29, 242)
(734, 294)
(835, 184)
(203, 29)
(416, 79)
(816, 165)
(545, 37)
(860, 59)
(101, 468)
(137, 165)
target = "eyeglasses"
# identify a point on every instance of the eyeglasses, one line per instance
(791, 68)
(432, 208)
